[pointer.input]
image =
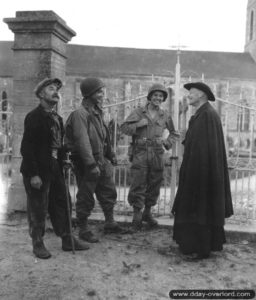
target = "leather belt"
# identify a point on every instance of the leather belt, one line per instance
(146, 141)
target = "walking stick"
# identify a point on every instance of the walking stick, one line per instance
(67, 185)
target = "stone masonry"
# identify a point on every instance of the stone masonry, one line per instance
(39, 51)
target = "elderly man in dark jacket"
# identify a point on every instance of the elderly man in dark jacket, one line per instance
(87, 138)
(41, 167)
(203, 199)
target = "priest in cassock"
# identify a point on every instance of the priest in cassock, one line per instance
(203, 198)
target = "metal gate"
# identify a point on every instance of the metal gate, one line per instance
(239, 126)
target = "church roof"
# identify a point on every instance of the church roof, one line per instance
(128, 61)
(114, 62)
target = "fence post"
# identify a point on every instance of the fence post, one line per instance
(115, 125)
(175, 148)
(251, 116)
(226, 122)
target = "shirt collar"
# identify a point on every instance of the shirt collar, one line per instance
(145, 110)
(91, 109)
(46, 113)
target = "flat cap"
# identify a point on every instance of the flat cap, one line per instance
(47, 81)
(202, 87)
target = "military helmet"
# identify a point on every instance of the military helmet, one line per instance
(157, 87)
(90, 85)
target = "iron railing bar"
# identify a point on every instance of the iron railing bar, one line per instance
(235, 104)
(124, 102)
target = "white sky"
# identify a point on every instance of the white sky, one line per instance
(217, 25)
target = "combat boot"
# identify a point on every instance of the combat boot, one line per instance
(67, 243)
(39, 248)
(111, 226)
(85, 234)
(148, 218)
(137, 219)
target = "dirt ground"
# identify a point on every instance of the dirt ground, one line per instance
(119, 267)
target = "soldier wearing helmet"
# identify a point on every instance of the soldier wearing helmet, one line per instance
(146, 125)
(87, 138)
(157, 87)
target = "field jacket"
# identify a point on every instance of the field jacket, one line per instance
(87, 136)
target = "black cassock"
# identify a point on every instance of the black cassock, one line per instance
(203, 198)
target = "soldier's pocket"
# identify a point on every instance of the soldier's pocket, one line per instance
(139, 157)
(137, 177)
(159, 127)
(108, 169)
(158, 160)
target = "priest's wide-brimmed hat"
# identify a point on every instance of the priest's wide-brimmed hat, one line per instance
(202, 87)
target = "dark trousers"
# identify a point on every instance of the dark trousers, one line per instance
(146, 176)
(103, 187)
(50, 198)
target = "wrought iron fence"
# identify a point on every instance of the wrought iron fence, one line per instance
(239, 126)
(240, 137)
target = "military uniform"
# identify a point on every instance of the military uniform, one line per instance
(147, 155)
(87, 138)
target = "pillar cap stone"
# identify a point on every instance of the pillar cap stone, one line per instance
(45, 21)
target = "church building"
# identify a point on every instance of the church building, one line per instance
(128, 72)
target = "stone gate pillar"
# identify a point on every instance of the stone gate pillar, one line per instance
(39, 51)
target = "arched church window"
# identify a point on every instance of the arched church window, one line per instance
(251, 25)
(4, 104)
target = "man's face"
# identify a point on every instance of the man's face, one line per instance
(50, 94)
(194, 96)
(157, 98)
(98, 97)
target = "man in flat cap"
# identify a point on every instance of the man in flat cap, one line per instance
(203, 198)
(87, 138)
(41, 167)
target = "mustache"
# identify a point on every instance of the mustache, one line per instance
(56, 95)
